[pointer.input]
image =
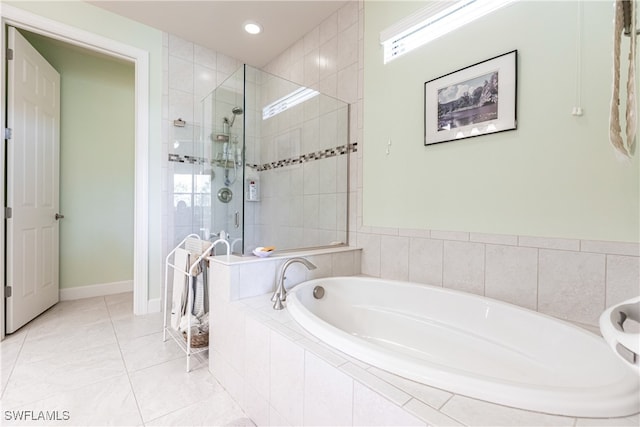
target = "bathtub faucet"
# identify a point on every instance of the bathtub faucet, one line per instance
(280, 294)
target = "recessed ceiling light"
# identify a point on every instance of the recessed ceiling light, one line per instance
(252, 27)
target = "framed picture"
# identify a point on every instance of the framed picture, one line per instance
(476, 100)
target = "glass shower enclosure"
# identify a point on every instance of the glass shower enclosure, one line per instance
(276, 158)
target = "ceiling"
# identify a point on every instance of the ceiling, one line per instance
(218, 25)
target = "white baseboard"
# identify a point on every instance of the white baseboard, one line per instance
(98, 290)
(153, 305)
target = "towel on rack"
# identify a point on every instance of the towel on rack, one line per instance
(200, 300)
(180, 285)
(196, 247)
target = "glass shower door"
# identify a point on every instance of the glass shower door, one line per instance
(223, 131)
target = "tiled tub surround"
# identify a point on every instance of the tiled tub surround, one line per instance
(281, 375)
(574, 280)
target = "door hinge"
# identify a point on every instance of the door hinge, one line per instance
(8, 133)
(8, 213)
(9, 54)
(8, 291)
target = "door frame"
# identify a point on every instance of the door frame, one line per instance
(19, 18)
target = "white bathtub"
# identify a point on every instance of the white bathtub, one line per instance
(469, 345)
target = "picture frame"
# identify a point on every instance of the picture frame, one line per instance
(476, 100)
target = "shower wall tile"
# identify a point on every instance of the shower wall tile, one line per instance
(327, 212)
(311, 40)
(348, 84)
(512, 275)
(181, 105)
(297, 70)
(180, 74)
(311, 178)
(328, 29)
(328, 174)
(327, 59)
(311, 210)
(311, 68)
(205, 81)
(226, 64)
(571, 285)
(341, 215)
(180, 48)
(205, 56)
(347, 47)
(347, 16)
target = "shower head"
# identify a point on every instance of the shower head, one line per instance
(236, 112)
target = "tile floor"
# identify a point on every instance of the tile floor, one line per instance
(94, 359)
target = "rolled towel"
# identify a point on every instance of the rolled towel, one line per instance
(195, 323)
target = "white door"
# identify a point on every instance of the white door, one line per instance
(33, 153)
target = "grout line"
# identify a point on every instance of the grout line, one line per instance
(15, 362)
(126, 370)
(445, 402)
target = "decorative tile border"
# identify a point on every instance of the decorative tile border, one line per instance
(194, 160)
(304, 158)
(317, 155)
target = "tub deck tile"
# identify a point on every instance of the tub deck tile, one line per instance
(633, 421)
(392, 393)
(476, 412)
(323, 352)
(431, 416)
(430, 395)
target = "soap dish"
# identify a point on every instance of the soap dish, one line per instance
(260, 252)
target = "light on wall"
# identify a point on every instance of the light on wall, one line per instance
(433, 21)
(296, 97)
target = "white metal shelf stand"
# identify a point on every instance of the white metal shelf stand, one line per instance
(190, 275)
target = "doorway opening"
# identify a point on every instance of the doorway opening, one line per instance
(21, 19)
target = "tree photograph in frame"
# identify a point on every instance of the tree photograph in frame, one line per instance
(473, 101)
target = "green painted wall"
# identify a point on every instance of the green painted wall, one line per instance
(97, 140)
(90, 18)
(555, 176)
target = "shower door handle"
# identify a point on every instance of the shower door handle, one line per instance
(236, 218)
